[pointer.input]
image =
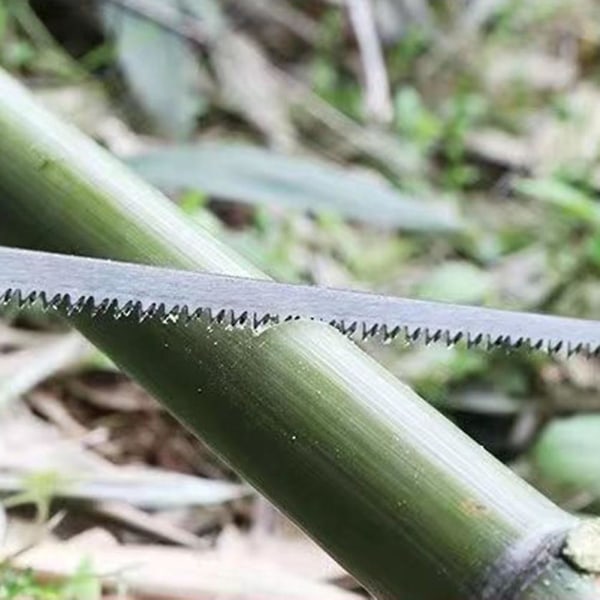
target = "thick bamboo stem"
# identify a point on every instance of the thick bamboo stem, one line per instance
(395, 492)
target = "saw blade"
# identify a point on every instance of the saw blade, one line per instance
(76, 283)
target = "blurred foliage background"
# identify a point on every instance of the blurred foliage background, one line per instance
(441, 150)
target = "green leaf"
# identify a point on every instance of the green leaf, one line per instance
(3, 20)
(456, 282)
(83, 585)
(414, 119)
(573, 201)
(38, 489)
(163, 71)
(566, 459)
(256, 176)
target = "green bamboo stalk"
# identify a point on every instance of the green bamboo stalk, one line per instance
(405, 501)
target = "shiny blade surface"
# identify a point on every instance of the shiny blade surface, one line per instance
(154, 292)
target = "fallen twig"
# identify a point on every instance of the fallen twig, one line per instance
(378, 102)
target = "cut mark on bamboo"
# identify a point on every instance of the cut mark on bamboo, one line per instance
(582, 546)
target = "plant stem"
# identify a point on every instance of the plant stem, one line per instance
(403, 499)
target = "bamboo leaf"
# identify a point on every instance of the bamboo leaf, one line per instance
(253, 175)
(250, 85)
(163, 71)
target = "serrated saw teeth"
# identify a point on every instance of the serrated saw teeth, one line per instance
(259, 321)
(241, 320)
(348, 329)
(369, 330)
(573, 349)
(360, 330)
(431, 337)
(554, 347)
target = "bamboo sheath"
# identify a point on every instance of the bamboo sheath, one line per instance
(403, 499)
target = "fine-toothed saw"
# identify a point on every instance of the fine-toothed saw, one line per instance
(73, 283)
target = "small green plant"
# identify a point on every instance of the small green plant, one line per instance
(26, 45)
(40, 488)
(461, 114)
(415, 121)
(444, 130)
(19, 584)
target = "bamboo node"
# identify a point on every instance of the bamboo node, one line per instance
(524, 563)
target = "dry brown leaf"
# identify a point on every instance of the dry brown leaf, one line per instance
(154, 526)
(550, 141)
(120, 396)
(295, 553)
(535, 69)
(23, 370)
(250, 85)
(499, 147)
(173, 573)
(51, 408)
(29, 445)
(14, 337)
(574, 140)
